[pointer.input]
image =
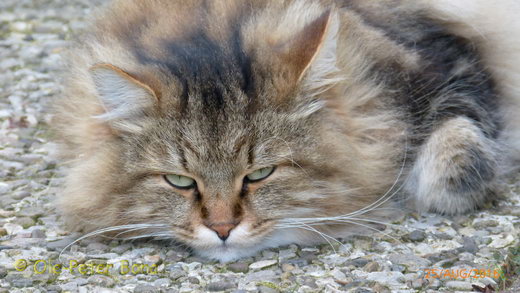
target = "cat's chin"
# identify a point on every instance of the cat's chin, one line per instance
(240, 244)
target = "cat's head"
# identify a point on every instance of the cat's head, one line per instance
(222, 140)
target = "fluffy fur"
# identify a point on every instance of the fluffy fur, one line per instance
(353, 102)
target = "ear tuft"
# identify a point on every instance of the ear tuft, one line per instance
(123, 97)
(302, 48)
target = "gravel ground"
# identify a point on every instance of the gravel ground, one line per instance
(402, 258)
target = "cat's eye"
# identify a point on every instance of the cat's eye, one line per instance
(260, 174)
(179, 181)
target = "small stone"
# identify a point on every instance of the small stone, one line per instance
(372, 267)
(163, 282)
(194, 280)
(359, 262)
(499, 241)
(266, 275)
(175, 272)
(410, 261)
(21, 195)
(287, 267)
(13, 229)
(220, 286)
(380, 288)
(482, 224)
(238, 267)
(60, 244)
(96, 246)
(362, 290)
(340, 277)
(21, 283)
(262, 264)
(6, 214)
(3, 232)
(286, 254)
(70, 286)
(3, 272)
(53, 288)
(37, 233)
(459, 285)
(152, 259)
(417, 236)
(25, 222)
(7, 64)
(102, 281)
(468, 245)
(310, 282)
(418, 283)
(387, 278)
(194, 266)
(121, 248)
(265, 289)
(144, 288)
(31, 212)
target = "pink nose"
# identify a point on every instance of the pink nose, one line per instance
(222, 230)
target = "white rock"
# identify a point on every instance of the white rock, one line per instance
(12, 229)
(262, 264)
(459, 285)
(500, 242)
(392, 279)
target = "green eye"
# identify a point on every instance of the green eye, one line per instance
(179, 181)
(260, 174)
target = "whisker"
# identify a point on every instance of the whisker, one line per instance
(110, 229)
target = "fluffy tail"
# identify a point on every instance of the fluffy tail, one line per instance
(495, 27)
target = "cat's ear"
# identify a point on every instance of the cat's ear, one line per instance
(124, 98)
(302, 48)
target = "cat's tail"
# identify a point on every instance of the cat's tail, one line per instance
(495, 27)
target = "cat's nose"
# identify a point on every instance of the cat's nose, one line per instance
(223, 230)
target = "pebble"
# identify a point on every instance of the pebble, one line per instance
(220, 286)
(163, 282)
(70, 286)
(238, 267)
(410, 261)
(262, 264)
(3, 272)
(265, 275)
(387, 278)
(25, 222)
(459, 285)
(13, 229)
(96, 246)
(31, 212)
(144, 288)
(417, 236)
(100, 280)
(482, 224)
(372, 267)
(340, 277)
(37, 233)
(265, 289)
(468, 245)
(60, 244)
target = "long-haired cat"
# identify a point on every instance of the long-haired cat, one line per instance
(231, 126)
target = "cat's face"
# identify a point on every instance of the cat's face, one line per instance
(228, 142)
(223, 176)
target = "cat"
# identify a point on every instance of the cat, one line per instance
(233, 126)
